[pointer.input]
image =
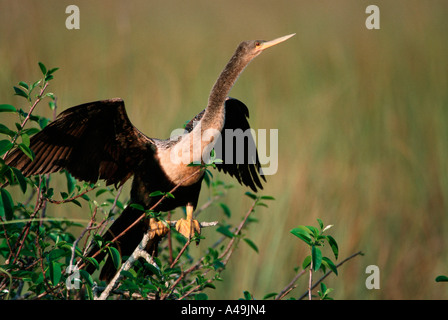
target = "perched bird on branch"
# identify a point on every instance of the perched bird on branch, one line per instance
(96, 141)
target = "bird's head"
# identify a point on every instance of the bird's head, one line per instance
(253, 48)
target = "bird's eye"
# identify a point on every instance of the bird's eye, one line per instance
(257, 43)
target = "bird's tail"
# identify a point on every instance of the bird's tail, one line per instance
(126, 244)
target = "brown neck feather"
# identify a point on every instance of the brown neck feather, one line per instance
(214, 113)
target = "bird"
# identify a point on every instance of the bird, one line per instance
(97, 141)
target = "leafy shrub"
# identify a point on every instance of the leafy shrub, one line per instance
(40, 258)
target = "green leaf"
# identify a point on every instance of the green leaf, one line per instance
(26, 150)
(52, 105)
(313, 230)
(316, 256)
(442, 279)
(137, 206)
(20, 179)
(25, 139)
(71, 182)
(201, 296)
(24, 85)
(55, 254)
(226, 209)
(50, 192)
(306, 262)
(156, 193)
(7, 108)
(251, 195)
(43, 122)
(5, 130)
(247, 295)
(334, 246)
(31, 131)
(115, 255)
(51, 71)
(251, 244)
(94, 262)
(330, 265)
(55, 272)
(42, 68)
(5, 145)
(302, 233)
(270, 295)
(6, 204)
(76, 202)
(267, 198)
(127, 274)
(87, 277)
(100, 192)
(225, 231)
(169, 195)
(153, 269)
(35, 84)
(19, 92)
(321, 224)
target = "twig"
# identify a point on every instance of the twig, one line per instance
(39, 98)
(207, 204)
(237, 232)
(26, 229)
(89, 227)
(70, 199)
(329, 272)
(194, 289)
(180, 253)
(140, 252)
(291, 285)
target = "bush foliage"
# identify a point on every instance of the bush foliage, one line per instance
(41, 258)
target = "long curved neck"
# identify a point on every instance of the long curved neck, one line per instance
(214, 113)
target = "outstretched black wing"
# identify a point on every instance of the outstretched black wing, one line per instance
(92, 141)
(236, 146)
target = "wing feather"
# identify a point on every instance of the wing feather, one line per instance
(247, 172)
(92, 141)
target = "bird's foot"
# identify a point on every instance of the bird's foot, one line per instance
(158, 228)
(188, 227)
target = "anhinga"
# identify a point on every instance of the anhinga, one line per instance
(97, 141)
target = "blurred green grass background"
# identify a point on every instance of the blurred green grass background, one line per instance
(362, 118)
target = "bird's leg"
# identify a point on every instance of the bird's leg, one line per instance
(188, 227)
(157, 227)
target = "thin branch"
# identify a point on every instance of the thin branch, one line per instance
(237, 232)
(88, 228)
(70, 199)
(180, 253)
(39, 98)
(140, 252)
(26, 229)
(291, 285)
(329, 272)
(195, 288)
